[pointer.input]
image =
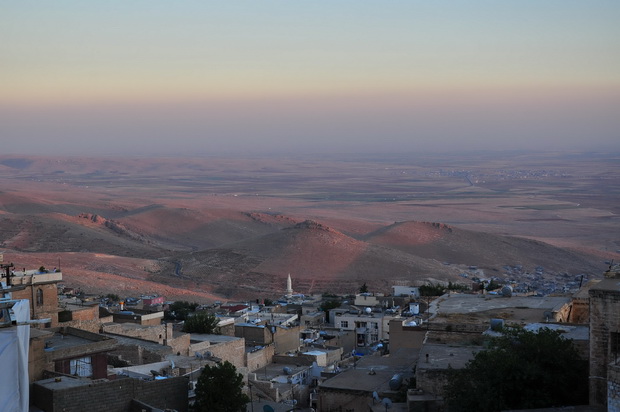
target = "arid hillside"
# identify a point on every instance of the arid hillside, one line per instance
(484, 250)
(224, 228)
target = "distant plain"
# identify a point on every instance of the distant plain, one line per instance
(213, 228)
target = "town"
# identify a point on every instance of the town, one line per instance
(63, 350)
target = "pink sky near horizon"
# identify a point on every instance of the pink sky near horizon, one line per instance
(203, 77)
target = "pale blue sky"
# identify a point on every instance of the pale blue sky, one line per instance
(206, 77)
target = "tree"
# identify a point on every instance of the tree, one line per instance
(179, 310)
(327, 305)
(202, 322)
(521, 370)
(432, 290)
(364, 288)
(220, 389)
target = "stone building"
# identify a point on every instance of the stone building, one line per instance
(40, 288)
(604, 335)
(120, 395)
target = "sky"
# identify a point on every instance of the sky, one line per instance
(202, 77)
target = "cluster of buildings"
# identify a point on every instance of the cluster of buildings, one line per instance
(363, 352)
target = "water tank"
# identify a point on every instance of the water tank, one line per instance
(507, 291)
(414, 308)
(395, 382)
(497, 324)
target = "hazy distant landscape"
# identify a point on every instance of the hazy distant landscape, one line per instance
(234, 227)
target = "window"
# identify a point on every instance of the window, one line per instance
(344, 323)
(39, 297)
(81, 367)
(374, 325)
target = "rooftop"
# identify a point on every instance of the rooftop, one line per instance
(373, 373)
(445, 356)
(203, 337)
(610, 284)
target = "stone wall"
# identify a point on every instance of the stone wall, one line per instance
(36, 358)
(341, 400)
(137, 354)
(613, 387)
(90, 312)
(93, 326)
(112, 396)
(287, 339)
(180, 344)
(233, 352)
(259, 358)
(580, 311)
(151, 333)
(254, 335)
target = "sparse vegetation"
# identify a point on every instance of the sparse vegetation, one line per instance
(113, 297)
(438, 289)
(432, 290)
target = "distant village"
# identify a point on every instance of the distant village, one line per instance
(63, 350)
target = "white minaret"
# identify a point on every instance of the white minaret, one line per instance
(289, 287)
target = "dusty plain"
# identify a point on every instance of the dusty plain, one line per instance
(220, 228)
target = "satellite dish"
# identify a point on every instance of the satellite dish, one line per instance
(368, 310)
(387, 402)
(268, 408)
(375, 396)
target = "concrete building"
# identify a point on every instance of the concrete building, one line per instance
(406, 333)
(370, 325)
(437, 361)
(284, 339)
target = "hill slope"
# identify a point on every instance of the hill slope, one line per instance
(466, 247)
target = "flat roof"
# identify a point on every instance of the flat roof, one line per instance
(466, 303)
(203, 337)
(445, 356)
(63, 382)
(59, 341)
(373, 373)
(574, 332)
(611, 284)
